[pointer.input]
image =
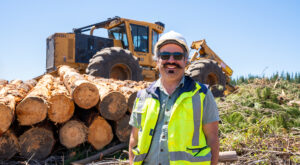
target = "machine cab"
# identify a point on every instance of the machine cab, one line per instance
(137, 36)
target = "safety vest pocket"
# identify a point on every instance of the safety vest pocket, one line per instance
(196, 150)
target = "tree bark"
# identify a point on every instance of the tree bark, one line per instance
(61, 105)
(99, 132)
(123, 129)
(36, 142)
(73, 133)
(84, 93)
(9, 145)
(10, 95)
(33, 108)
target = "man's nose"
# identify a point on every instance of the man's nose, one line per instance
(171, 59)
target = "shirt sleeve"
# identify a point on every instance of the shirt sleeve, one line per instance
(210, 109)
(133, 118)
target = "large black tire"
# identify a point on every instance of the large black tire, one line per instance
(115, 62)
(208, 72)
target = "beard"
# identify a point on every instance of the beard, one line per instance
(175, 73)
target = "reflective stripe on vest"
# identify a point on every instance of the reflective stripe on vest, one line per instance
(197, 115)
(138, 158)
(181, 155)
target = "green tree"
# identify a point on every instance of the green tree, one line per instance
(282, 75)
(288, 77)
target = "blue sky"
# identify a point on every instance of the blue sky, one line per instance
(252, 36)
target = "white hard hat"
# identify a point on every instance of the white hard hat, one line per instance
(171, 37)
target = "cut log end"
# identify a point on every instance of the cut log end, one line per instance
(123, 129)
(61, 108)
(6, 117)
(100, 133)
(9, 145)
(31, 110)
(73, 133)
(228, 156)
(36, 141)
(86, 95)
(113, 106)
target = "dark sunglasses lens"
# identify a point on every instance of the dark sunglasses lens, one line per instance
(165, 57)
(178, 57)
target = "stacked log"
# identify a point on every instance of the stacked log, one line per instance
(100, 132)
(61, 105)
(113, 103)
(84, 93)
(123, 129)
(73, 133)
(33, 108)
(7, 108)
(36, 142)
(10, 95)
(9, 145)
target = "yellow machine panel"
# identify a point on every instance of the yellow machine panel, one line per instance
(64, 48)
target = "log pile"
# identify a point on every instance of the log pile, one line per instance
(11, 94)
(68, 110)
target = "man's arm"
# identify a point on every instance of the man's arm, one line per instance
(132, 143)
(211, 133)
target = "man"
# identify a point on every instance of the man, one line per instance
(175, 120)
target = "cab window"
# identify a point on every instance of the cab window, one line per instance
(119, 33)
(155, 37)
(139, 37)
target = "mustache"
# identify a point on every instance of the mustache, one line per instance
(168, 63)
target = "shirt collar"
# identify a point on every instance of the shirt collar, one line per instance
(158, 84)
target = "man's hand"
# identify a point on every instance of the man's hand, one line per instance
(132, 143)
(211, 133)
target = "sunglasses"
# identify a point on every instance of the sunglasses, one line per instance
(167, 55)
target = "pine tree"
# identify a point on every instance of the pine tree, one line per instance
(282, 75)
(288, 76)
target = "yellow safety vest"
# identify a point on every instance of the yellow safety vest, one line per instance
(186, 140)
